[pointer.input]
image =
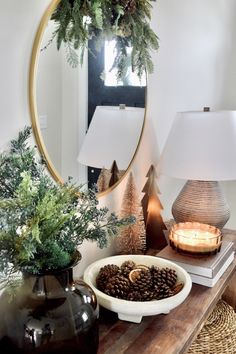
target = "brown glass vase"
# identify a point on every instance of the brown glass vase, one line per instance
(50, 313)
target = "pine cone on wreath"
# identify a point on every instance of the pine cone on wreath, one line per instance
(131, 6)
(128, 5)
(124, 29)
(117, 286)
(105, 274)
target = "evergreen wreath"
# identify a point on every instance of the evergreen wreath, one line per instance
(127, 21)
(43, 223)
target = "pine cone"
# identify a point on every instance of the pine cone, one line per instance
(126, 267)
(164, 291)
(124, 29)
(141, 284)
(163, 276)
(147, 295)
(142, 280)
(128, 5)
(170, 276)
(118, 286)
(156, 294)
(163, 281)
(156, 276)
(131, 6)
(134, 296)
(105, 274)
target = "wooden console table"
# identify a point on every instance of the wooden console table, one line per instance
(165, 334)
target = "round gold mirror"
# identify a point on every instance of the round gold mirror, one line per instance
(87, 125)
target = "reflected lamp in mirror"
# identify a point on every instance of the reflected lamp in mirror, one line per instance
(111, 139)
(201, 147)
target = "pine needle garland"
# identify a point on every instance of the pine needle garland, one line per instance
(127, 21)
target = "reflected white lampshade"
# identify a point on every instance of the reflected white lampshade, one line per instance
(201, 146)
(113, 135)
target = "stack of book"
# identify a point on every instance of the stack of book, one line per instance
(204, 270)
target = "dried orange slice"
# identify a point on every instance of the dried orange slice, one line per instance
(134, 274)
(142, 266)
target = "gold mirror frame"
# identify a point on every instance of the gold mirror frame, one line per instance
(33, 104)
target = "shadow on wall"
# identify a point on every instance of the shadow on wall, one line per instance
(228, 102)
(228, 94)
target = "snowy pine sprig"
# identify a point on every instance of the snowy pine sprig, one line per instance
(42, 223)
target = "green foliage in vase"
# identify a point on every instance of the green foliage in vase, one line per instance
(42, 223)
(127, 21)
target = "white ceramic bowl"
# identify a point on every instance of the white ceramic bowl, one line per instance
(133, 311)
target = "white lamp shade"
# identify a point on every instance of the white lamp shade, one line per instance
(201, 146)
(113, 134)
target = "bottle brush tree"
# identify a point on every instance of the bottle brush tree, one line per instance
(132, 238)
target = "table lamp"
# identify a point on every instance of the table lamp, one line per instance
(113, 135)
(201, 147)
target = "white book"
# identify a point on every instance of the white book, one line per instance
(210, 282)
(206, 266)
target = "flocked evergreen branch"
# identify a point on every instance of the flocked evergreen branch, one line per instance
(42, 223)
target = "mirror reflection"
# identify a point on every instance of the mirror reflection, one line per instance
(90, 124)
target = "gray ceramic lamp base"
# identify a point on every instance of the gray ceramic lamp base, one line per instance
(201, 201)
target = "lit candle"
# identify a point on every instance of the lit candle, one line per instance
(193, 237)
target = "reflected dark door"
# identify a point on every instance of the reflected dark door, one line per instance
(101, 95)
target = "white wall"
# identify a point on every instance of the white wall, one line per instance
(18, 23)
(194, 68)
